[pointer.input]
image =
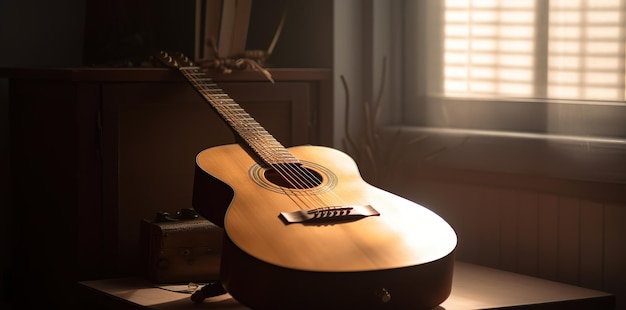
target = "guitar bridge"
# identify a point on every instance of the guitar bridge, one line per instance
(329, 214)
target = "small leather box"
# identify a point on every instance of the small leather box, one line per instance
(180, 249)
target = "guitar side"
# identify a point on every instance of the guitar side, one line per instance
(402, 258)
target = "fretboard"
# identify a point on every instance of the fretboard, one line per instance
(261, 142)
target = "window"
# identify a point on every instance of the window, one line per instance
(517, 65)
(566, 49)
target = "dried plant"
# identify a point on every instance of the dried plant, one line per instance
(376, 157)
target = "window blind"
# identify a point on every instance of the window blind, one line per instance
(563, 49)
(586, 49)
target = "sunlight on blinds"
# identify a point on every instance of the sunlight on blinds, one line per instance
(492, 49)
(488, 47)
(586, 49)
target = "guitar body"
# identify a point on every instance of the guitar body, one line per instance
(400, 259)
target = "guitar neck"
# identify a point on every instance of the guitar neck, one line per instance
(262, 143)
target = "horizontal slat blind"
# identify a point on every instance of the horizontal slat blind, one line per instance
(489, 47)
(586, 49)
(494, 48)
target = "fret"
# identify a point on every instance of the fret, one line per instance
(205, 81)
(217, 95)
(232, 104)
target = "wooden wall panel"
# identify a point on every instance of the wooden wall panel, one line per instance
(509, 231)
(480, 230)
(591, 244)
(548, 236)
(614, 256)
(569, 240)
(528, 233)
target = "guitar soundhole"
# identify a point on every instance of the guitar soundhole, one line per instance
(293, 176)
(310, 177)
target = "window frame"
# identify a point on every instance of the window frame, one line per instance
(591, 119)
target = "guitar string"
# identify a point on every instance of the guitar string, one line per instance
(245, 132)
(298, 178)
(282, 161)
(266, 150)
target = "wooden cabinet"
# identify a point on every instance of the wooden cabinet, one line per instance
(95, 151)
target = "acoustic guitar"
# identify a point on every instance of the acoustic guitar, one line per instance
(303, 230)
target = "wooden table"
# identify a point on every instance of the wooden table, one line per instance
(473, 287)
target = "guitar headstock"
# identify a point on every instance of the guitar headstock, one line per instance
(176, 60)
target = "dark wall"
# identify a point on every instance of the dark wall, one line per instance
(69, 33)
(32, 33)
